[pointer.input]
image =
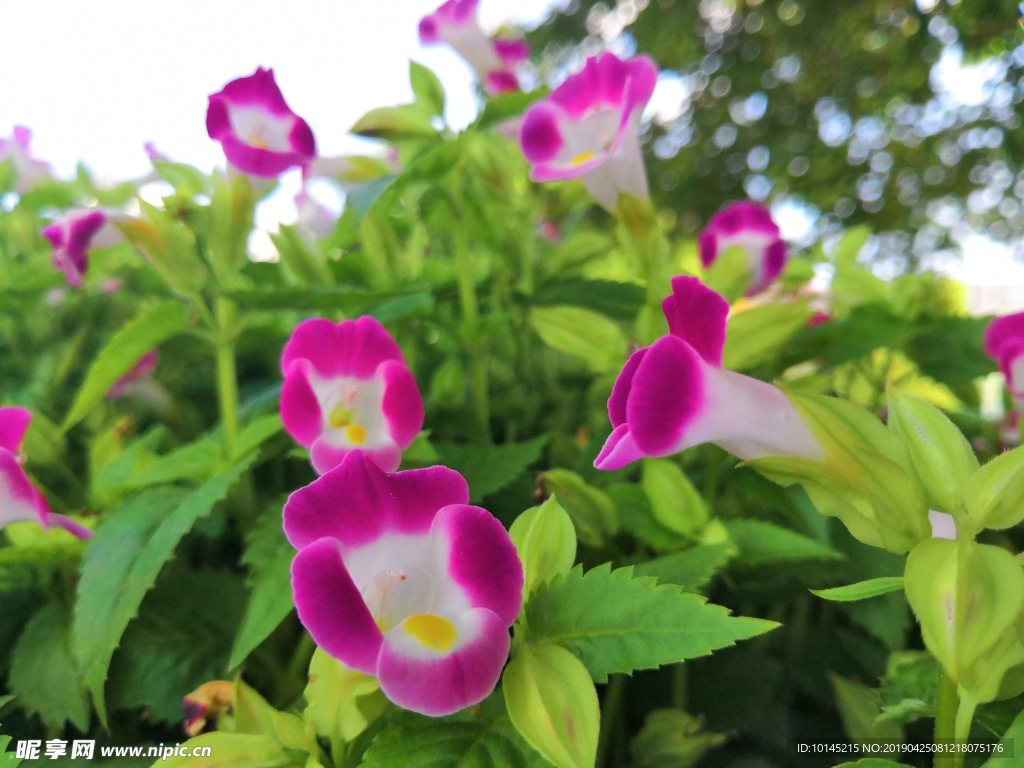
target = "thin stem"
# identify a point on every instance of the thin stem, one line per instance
(613, 698)
(471, 315)
(227, 375)
(964, 718)
(945, 718)
(680, 681)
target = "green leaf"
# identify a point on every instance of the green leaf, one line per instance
(862, 589)
(154, 325)
(994, 496)
(177, 642)
(729, 274)
(257, 432)
(414, 741)
(675, 503)
(185, 179)
(552, 702)
(850, 244)
(7, 759)
(1012, 740)
(44, 676)
(315, 298)
(591, 510)
(672, 738)
(545, 542)
(858, 707)
(581, 333)
(5, 700)
(489, 468)
(759, 334)
(237, 750)
(619, 301)
(427, 89)
(341, 702)
(121, 564)
(300, 263)
(617, 622)
(269, 556)
(690, 569)
(406, 121)
(764, 543)
(196, 462)
(940, 454)
(910, 687)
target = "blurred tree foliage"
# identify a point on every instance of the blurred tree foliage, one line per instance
(846, 107)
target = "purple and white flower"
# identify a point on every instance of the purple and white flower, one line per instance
(19, 499)
(586, 128)
(75, 235)
(749, 226)
(398, 577)
(29, 169)
(346, 386)
(675, 394)
(493, 60)
(1004, 343)
(260, 134)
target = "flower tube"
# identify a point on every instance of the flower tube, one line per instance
(19, 499)
(455, 23)
(398, 577)
(1004, 342)
(749, 226)
(346, 386)
(260, 134)
(72, 237)
(675, 394)
(587, 128)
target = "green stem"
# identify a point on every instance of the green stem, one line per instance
(945, 718)
(227, 375)
(613, 698)
(962, 731)
(680, 680)
(471, 315)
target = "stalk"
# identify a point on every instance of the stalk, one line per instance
(227, 374)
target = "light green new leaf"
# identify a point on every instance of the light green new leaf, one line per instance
(426, 88)
(154, 325)
(862, 590)
(590, 509)
(676, 504)
(764, 543)
(44, 676)
(406, 121)
(617, 622)
(545, 542)
(340, 702)
(414, 741)
(552, 702)
(121, 564)
(995, 495)
(236, 750)
(940, 454)
(581, 333)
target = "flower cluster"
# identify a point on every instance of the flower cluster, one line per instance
(396, 574)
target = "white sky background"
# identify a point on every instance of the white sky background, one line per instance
(96, 80)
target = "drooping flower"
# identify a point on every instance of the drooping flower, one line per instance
(587, 128)
(398, 577)
(205, 704)
(493, 60)
(139, 383)
(675, 394)
(19, 499)
(29, 169)
(75, 235)
(749, 226)
(260, 134)
(346, 386)
(1004, 343)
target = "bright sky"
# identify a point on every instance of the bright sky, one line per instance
(95, 81)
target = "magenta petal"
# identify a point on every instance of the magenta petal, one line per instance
(708, 247)
(667, 395)
(300, 410)
(482, 559)
(697, 315)
(350, 348)
(402, 404)
(512, 51)
(356, 502)
(540, 136)
(774, 263)
(620, 392)
(442, 685)
(14, 423)
(332, 609)
(1000, 330)
(618, 450)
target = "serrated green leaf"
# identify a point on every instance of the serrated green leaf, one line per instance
(154, 325)
(489, 468)
(269, 556)
(619, 301)
(44, 676)
(764, 543)
(196, 462)
(617, 622)
(176, 643)
(581, 333)
(121, 564)
(426, 88)
(690, 569)
(862, 590)
(413, 741)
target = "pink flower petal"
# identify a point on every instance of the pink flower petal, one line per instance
(697, 315)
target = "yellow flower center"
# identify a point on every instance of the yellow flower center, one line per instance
(434, 632)
(257, 142)
(356, 434)
(340, 417)
(581, 158)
